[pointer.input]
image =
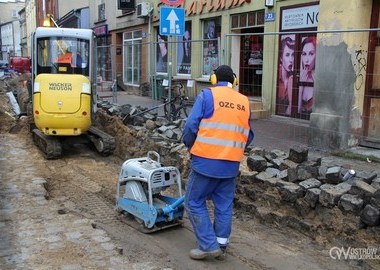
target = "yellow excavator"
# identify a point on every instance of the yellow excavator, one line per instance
(63, 91)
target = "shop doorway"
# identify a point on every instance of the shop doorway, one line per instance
(371, 117)
(296, 75)
(297, 56)
(251, 63)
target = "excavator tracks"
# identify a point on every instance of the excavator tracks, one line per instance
(103, 142)
(49, 145)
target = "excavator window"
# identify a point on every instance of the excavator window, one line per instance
(63, 55)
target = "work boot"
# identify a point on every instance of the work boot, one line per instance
(223, 256)
(198, 254)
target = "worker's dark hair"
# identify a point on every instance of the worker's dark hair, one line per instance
(224, 74)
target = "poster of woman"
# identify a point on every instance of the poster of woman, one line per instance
(162, 54)
(285, 76)
(212, 30)
(307, 75)
(184, 51)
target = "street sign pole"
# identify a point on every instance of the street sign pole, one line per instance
(172, 24)
(170, 61)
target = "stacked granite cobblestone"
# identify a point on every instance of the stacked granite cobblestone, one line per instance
(139, 116)
(306, 184)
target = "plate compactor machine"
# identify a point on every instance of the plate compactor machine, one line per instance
(140, 192)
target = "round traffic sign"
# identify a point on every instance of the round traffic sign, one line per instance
(172, 2)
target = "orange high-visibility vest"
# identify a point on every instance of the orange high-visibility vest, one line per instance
(224, 135)
(66, 58)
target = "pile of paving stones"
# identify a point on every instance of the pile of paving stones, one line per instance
(308, 184)
(137, 130)
(140, 116)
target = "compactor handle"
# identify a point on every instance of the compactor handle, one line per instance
(150, 153)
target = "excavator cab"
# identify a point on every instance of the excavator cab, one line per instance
(55, 52)
(64, 97)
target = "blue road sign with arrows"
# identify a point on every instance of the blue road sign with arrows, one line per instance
(172, 21)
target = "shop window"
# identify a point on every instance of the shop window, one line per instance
(161, 53)
(250, 19)
(297, 62)
(251, 62)
(212, 31)
(128, 35)
(132, 57)
(243, 20)
(184, 51)
(260, 18)
(235, 22)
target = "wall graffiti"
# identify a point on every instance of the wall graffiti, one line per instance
(360, 67)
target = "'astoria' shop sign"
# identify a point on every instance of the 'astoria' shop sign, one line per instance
(202, 6)
(172, 2)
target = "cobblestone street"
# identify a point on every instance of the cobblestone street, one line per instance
(38, 233)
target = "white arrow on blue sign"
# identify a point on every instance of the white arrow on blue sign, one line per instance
(172, 21)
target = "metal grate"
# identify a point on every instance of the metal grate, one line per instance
(157, 177)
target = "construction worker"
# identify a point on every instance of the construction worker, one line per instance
(75, 60)
(216, 133)
(65, 58)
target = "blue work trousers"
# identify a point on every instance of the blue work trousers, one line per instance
(221, 191)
